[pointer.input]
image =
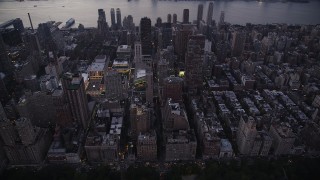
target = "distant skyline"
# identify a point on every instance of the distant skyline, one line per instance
(236, 12)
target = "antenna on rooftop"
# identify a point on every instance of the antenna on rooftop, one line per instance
(30, 22)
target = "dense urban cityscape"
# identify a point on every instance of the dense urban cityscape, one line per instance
(189, 99)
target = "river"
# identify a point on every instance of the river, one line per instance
(85, 11)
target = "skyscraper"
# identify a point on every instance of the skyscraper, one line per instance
(113, 18)
(159, 22)
(119, 21)
(200, 14)
(174, 18)
(102, 22)
(137, 52)
(193, 61)
(169, 18)
(185, 16)
(210, 14)
(78, 100)
(145, 36)
(238, 42)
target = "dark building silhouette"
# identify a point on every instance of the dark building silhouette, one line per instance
(172, 88)
(210, 14)
(113, 18)
(102, 22)
(174, 18)
(238, 42)
(145, 36)
(194, 60)
(119, 21)
(185, 16)
(77, 98)
(6, 65)
(169, 18)
(200, 14)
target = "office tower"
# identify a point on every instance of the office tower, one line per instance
(102, 23)
(174, 18)
(63, 115)
(194, 60)
(210, 14)
(172, 88)
(145, 36)
(200, 14)
(166, 35)
(32, 40)
(182, 33)
(47, 41)
(137, 53)
(113, 18)
(78, 100)
(6, 65)
(238, 42)
(118, 13)
(159, 22)
(185, 16)
(169, 18)
(147, 146)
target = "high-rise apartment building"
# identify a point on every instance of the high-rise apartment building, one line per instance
(145, 36)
